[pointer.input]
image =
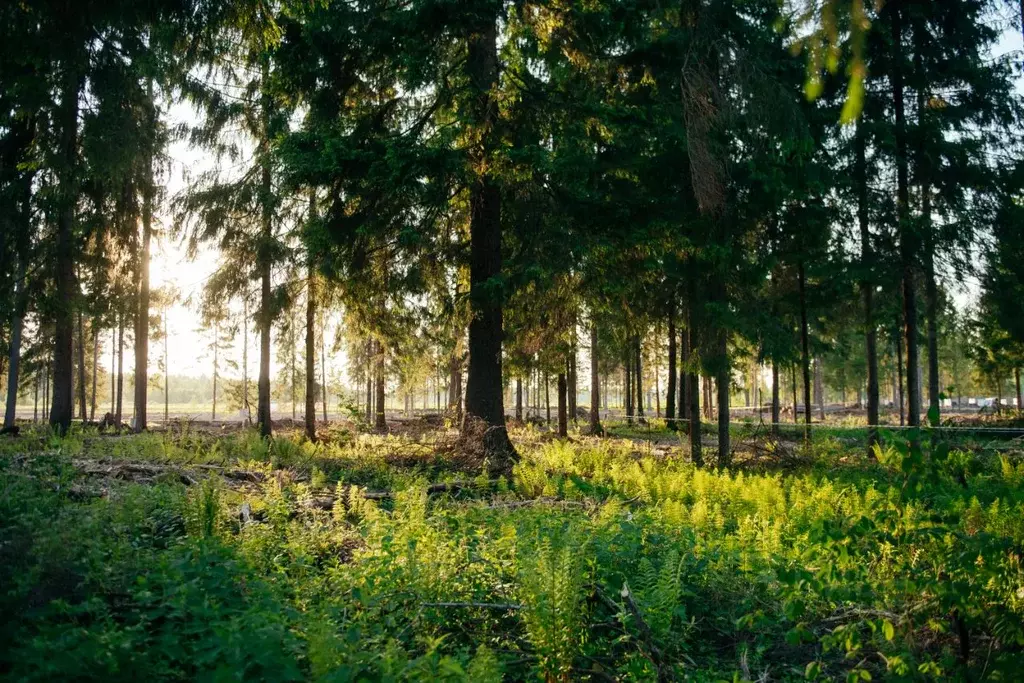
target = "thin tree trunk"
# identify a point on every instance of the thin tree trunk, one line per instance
(819, 390)
(35, 397)
(245, 358)
(638, 381)
(1016, 377)
(310, 413)
(380, 425)
(670, 395)
(723, 382)
(899, 372)
(369, 382)
(82, 414)
(519, 399)
(547, 397)
(113, 366)
(563, 423)
(63, 371)
(95, 369)
(119, 409)
(595, 384)
(796, 406)
(167, 374)
(867, 286)
(14, 363)
(776, 401)
(684, 379)
(691, 347)
(323, 367)
(216, 351)
(805, 358)
(628, 386)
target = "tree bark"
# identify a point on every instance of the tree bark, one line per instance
(819, 389)
(519, 399)
(216, 369)
(323, 368)
(805, 357)
(310, 411)
(142, 314)
(167, 373)
(82, 414)
(547, 397)
(67, 180)
(899, 372)
(776, 402)
(670, 395)
(595, 384)
(907, 238)
(1016, 377)
(119, 410)
(95, 368)
(638, 381)
(484, 399)
(380, 424)
(14, 362)
(628, 387)
(723, 382)
(684, 379)
(694, 391)
(563, 423)
(867, 285)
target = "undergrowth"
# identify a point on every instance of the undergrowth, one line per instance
(594, 561)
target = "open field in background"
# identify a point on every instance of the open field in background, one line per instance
(200, 553)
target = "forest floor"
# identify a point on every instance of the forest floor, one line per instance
(197, 553)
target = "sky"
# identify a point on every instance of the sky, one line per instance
(171, 266)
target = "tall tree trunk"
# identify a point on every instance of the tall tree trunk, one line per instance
(484, 399)
(245, 358)
(17, 324)
(723, 382)
(805, 356)
(167, 374)
(95, 368)
(638, 380)
(264, 258)
(670, 390)
(819, 390)
(519, 399)
(24, 132)
(35, 396)
(628, 386)
(547, 398)
(67, 181)
(595, 383)
(907, 237)
(796, 405)
(142, 314)
(216, 368)
(369, 381)
(694, 390)
(563, 422)
(113, 365)
(310, 413)
(119, 409)
(867, 285)
(380, 425)
(82, 414)
(1016, 377)
(776, 401)
(899, 373)
(684, 379)
(323, 366)
(931, 296)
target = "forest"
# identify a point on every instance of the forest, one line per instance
(561, 340)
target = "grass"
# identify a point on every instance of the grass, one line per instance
(147, 557)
